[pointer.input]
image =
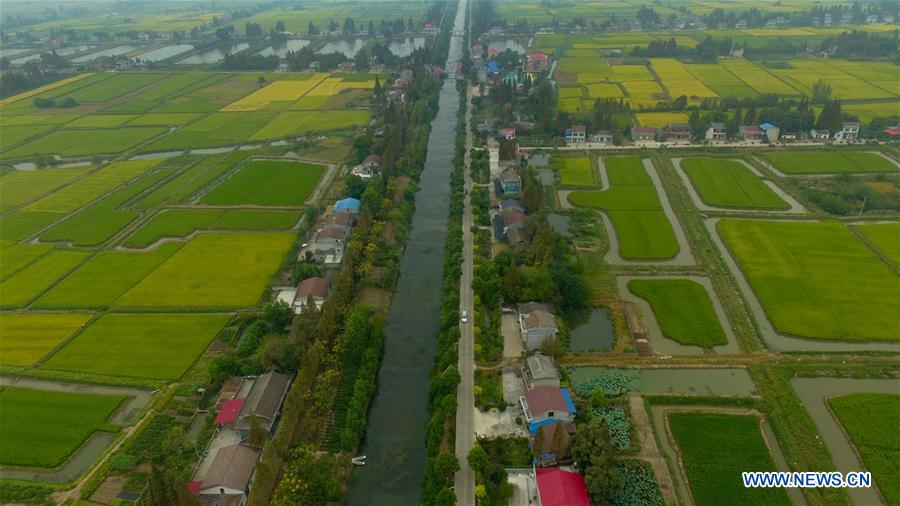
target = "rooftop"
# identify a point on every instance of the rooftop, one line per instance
(265, 399)
(317, 287)
(541, 366)
(543, 399)
(561, 488)
(347, 204)
(232, 468)
(229, 411)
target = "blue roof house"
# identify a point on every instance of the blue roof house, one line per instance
(349, 205)
(771, 131)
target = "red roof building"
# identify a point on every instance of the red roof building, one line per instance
(561, 488)
(229, 411)
(194, 487)
(893, 132)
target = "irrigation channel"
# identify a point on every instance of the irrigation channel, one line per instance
(395, 441)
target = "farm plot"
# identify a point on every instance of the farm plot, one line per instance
(660, 119)
(29, 282)
(574, 171)
(872, 422)
(219, 129)
(85, 142)
(828, 162)
(885, 237)
(104, 278)
(728, 183)
(642, 228)
(182, 222)
(678, 79)
(150, 346)
(303, 122)
(163, 119)
(336, 85)
(213, 271)
(757, 77)
(683, 309)
(175, 85)
(30, 430)
(283, 92)
(26, 337)
(630, 73)
(19, 187)
(803, 74)
(267, 183)
(92, 186)
(718, 79)
(715, 449)
(192, 179)
(10, 135)
(644, 92)
(16, 256)
(43, 89)
(206, 98)
(21, 224)
(604, 90)
(101, 121)
(584, 66)
(99, 222)
(808, 277)
(113, 86)
(877, 73)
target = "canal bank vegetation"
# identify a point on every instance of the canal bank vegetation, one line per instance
(442, 462)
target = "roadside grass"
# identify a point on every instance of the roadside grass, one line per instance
(154, 346)
(643, 230)
(26, 337)
(31, 432)
(22, 287)
(104, 278)
(18, 187)
(182, 222)
(728, 183)
(103, 219)
(885, 237)
(715, 449)
(213, 271)
(574, 171)
(828, 162)
(267, 183)
(816, 279)
(684, 310)
(873, 423)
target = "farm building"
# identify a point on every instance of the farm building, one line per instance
(819, 135)
(643, 133)
(678, 132)
(544, 404)
(536, 62)
(512, 204)
(228, 480)
(263, 403)
(508, 133)
(558, 487)
(513, 218)
(751, 133)
(347, 205)
(576, 134)
(540, 371)
(510, 181)
(537, 324)
(315, 288)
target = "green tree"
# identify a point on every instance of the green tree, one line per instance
(821, 92)
(258, 434)
(512, 284)
(603, 483)
(478, 459)
(445, 465)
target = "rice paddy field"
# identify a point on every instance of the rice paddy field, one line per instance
(643, 230)
(27, 337)
(715, 449)
(683, 309)
(729, 183)
(267, 183)
(574, 171)
(884, 237)
(30, 430)
(828, 162)
(872, 422)
(816, 279)
(125, 111)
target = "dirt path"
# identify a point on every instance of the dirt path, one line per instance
(795, 207)
(660, 343)
(649, 450)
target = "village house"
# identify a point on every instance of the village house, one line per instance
(512, 204)
(643, 133)
(771, 132)
(537, 324)
(751, 133)
(715, 132)
(228, 480)
(602, 137)
(576, 134)
(347, 205)
(513, 218)
(263, 403)
(819, 135)
(543, 405)
(368, 167)
(315, 288)
(558, 487)
(430, 29)
(849, 132)
(536, 63)
(347, 66)
(510, 181)
(678, 132)
(552, 443)
(540, 371)
(507, 133)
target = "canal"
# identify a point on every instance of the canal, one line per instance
(395, 440)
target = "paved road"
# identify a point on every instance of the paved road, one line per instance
(465, 411)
